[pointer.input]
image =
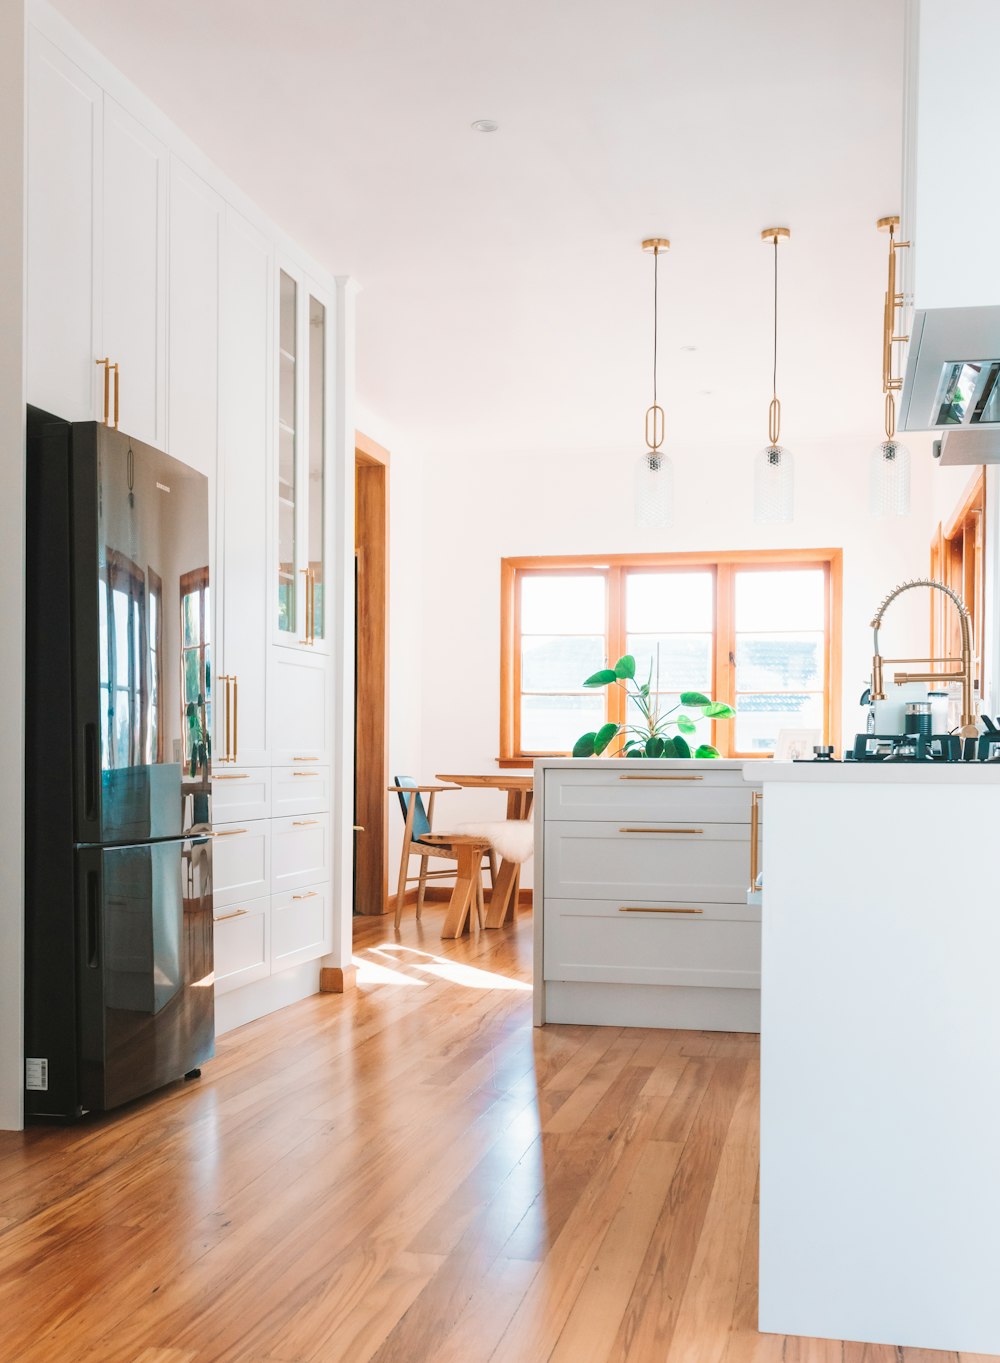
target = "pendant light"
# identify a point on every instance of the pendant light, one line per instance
(654, 471)
(774, 473)
(889, 484)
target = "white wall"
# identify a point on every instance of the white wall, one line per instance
(12, 399)
(582, 503)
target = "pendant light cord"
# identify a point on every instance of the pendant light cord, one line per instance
(656, 267)
(774, 369)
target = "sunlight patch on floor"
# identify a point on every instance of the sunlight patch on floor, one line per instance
(374, 972)
(453, 972)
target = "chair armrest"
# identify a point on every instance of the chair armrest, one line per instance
(423, 790)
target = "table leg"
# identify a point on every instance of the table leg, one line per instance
(463, 895)
(500, 895)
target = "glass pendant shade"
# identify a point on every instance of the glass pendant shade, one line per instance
(773, 485)
(654, 490)
(890, 479)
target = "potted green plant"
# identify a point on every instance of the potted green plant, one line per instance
(199, 740)
(651, 737)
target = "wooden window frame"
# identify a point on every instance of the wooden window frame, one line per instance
(958, 558)
(123, 576)
(614, 568)
(194, 583)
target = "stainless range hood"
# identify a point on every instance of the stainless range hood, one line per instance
(952, 382)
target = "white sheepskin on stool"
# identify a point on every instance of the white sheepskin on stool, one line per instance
(512, 839)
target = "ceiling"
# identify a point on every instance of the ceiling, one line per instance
(505, 304)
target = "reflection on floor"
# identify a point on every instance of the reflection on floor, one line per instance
(408, 1174)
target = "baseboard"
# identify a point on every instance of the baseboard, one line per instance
(337, 979)
(440, 894)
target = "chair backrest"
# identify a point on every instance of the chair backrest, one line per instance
(421, 823)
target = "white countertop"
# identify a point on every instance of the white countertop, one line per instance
(875, 773)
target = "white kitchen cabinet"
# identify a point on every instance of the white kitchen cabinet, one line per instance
(241, 703)
(194, 243)
(242, 944)
(64, 150)
(643, 917)
(301, 707)
(300, 852)
(239, 794)
(241, 862)
(134, 272)
(300, 926)
(301, 789)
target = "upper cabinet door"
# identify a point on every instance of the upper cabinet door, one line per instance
(64, 144)
(134, 272)
(195, 231)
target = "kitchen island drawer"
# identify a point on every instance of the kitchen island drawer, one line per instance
(242, 944)
(300, 790)
(675, 862)
(301, 927)
(241, 861)
(599, 792)
(240, 793)
(300, 852)
(656, 943)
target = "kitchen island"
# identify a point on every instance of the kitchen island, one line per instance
(880, 1040)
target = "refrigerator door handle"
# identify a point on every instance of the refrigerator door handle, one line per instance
(93, 920)
(90, 770)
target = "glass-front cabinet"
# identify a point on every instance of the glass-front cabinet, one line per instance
(301, 561)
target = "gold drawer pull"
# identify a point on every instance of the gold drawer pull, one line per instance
(305, 759)
(666, 776)
(229, 832)
(236, 913)
(304, 823)
(305, 773)
(231, 776)
(309, 894)
(661, 830)
(642, 908)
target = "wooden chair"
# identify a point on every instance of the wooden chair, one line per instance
(418, 825)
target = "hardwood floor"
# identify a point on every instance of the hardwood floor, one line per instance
(408, 1174)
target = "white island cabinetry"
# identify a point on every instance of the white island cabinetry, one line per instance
(642, 870)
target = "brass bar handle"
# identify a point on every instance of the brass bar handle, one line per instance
(305, 574)
(305, 773)
(756, 799)
(646, 908)
(305, 759)
(107, 385)
(228, 832)
(236, 715)
(309, 894)
(305, 823)
(664, 776)
(226, 753)
(115, 368)
(312, 605)
(236, 913)
(661, 830)
(231, 776)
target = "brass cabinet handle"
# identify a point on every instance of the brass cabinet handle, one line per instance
(107, 385)
(236, 913)
(661, 830)
(310, 578)
(305, 773)
(227, 755)
(304, 823)
(115, 368)
(309, 894)
(305, 759)
(228, 832)
(312, 598)
(231, 775)
(236, 715)
(664, 776)
(645, 908)
(756, 800)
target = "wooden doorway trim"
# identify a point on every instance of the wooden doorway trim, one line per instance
(371, 767)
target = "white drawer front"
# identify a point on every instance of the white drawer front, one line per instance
(242, 944)
(302, 694)
(300, 789)
(240, 793)
(300, 852)
(300, 926)
(596, 941)
(241, 862)
(700, 862)
(592, 793)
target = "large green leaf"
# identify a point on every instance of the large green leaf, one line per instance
(603, 737)
(694, 698)
(686, 724)
(668, 748)
(625, 666)
(584, 745)
(635, 752)
(717, 709)
(706, 750)
(654, 746)
(681, 747)
(601, 678)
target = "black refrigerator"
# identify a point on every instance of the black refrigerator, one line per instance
(119, 991)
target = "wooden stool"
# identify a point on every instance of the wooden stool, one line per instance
(468, 890)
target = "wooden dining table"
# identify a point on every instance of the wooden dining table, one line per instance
(520, 788)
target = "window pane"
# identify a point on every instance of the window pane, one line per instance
(758, 718)
(192, 675)
(779, 662)
(120, 606)
(552, 604)
(662, 602)
(560, 663)
(554, 723)
(685, 660)
(192, 622)
(778, 600)
(668, 700)
(207, 623)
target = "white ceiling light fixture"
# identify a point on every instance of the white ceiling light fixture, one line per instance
(654, 472)
(774, 470)
(889, 485)
(485, 125)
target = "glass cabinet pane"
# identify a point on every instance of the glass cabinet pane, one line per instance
(317, 424)
(287, 443)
